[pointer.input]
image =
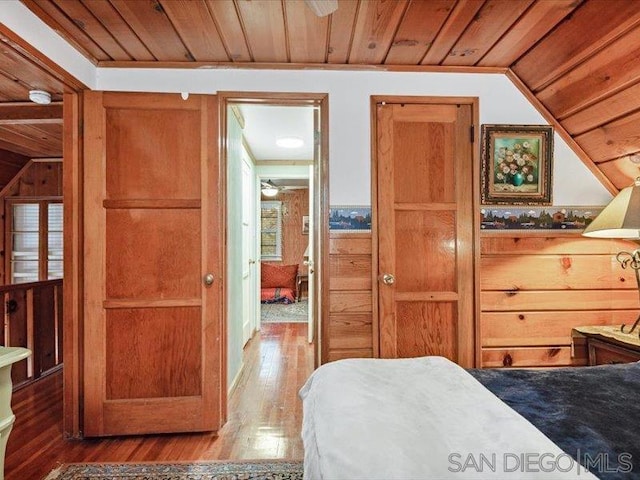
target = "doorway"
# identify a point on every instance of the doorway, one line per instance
(283, 232)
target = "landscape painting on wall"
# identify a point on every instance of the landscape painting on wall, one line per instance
(537, 218)
(350, 218)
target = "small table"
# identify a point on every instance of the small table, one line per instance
(301, 279)
(607, 344)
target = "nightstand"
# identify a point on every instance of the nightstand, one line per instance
(607, 344)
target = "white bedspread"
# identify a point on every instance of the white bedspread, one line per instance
(420, 418)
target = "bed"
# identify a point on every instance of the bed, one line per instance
(428, 418)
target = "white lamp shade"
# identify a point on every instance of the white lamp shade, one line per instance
(619, 219)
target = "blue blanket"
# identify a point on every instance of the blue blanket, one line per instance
(592, 413)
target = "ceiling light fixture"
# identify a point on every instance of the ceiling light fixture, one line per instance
(40, 97)
(289, 142)
(322, 8)
(269, 189)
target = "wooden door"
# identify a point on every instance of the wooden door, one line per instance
(250, 297)
(425, 231)
(152, 332)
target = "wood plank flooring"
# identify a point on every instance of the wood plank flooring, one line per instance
(265, 415)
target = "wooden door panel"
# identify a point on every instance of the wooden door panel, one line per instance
(152, 232)
(427, 327)
(422, 166)
(171, 241)
(425, 251)
(134, 370)
(425, 230)
(161, 165)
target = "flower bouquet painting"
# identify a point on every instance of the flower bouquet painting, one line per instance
(517, 164)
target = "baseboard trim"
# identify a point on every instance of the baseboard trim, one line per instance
(234, 383)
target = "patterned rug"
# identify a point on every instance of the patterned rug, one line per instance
(256, 470)
(281, 312)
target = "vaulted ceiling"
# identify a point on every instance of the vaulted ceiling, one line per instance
(578, 60)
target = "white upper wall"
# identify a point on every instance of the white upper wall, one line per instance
(349, 116)
(28, 26)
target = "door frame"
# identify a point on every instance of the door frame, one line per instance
(321, 226)
(475, 115)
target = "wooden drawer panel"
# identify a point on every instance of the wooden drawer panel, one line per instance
(350, 353)
(559, 300)
(546, 272)
(601, 353)
(529, 357)
(350, 302)
(349, 331)
(503, 329)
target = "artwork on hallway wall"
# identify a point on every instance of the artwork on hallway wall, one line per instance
(556, 218)
(517, 164)
(350, 218)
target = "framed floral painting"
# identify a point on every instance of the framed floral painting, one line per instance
(517, 164)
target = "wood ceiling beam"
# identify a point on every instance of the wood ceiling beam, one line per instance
(13, 113)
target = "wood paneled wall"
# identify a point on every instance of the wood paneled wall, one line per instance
(535, 289)
(295, 204)
(37, 179)
(10, 164)
(349, 331)
(33, 180)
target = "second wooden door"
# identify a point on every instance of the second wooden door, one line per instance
(425, 230)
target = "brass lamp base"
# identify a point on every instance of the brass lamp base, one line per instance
(632, 260)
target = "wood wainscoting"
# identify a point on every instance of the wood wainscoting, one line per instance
(349, 331)
(33, 319)
(535, 289)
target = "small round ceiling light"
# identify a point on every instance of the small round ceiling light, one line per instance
(40, 97)
(289, 142)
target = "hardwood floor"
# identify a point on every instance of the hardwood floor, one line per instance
(265, 415)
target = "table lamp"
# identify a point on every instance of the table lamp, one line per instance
(621, 219)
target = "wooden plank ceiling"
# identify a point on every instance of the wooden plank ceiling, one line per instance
(579, 58)
(27, 130)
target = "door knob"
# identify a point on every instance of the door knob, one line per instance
(251, 261)
(388, 279)
(208, 279)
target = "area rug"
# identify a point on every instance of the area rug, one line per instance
(254, 470)
(281, 312)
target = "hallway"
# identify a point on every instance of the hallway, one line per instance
(264, 416)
